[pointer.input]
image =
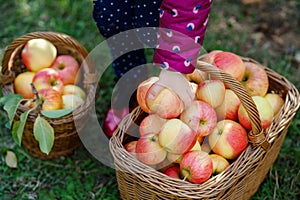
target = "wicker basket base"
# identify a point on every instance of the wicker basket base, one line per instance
(64, 145)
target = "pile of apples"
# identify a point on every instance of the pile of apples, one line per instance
(53, 76)
(197, 141)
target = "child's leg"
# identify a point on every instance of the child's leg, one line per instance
(113, 17)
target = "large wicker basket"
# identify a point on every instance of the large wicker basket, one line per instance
(66, 132)
(244, 176)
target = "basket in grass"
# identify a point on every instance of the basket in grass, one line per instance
(238, 181)
(46, 134)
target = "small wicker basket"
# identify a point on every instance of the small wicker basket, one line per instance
(66, 133)
(244, 176)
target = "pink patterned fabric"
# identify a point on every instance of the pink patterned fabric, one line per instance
(180, 37)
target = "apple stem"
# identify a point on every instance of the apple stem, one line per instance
(35, 92)
(185, 173)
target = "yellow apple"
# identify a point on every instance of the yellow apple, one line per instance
(71, 101)
(22, 85)
(276, 101)
(219, 163)
(38, 53)
(73, 89)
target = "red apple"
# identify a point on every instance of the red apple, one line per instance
(229, 107)
(211, 92)
(38, 53)
(196, 166)
(130, 147)
(219, 163)
(200, 117)
(276, 101)
(149, 151)
(67, 67)
(230, 63)
(142, 91)
(164, 101)
(209, 58)
(265, 112)
(112, 119)
(48, 78)
(22, 85)
(151, 124)
(51, 99)
(177, 137)
(73, 89)
(173, 171)
(228, 139)
(255, 80)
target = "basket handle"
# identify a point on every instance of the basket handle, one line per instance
(256, 135)
(54, 37)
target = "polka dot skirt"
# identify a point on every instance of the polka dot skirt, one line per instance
(113, 17)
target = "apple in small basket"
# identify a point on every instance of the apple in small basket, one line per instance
(50, 98)
(73, 89)
(228, 139)
(22, 85)
(196, 166)
(255, 80)
(67, 67)
(71, 101)
(48, 78)
(38, 53)
(149, 151)
(265, 112)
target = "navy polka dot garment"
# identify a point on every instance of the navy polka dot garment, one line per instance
(115, 16)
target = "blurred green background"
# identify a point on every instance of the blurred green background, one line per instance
(267, 31)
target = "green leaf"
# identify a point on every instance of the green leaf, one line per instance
(56, 113)
(44, 133)
(18, 127)
(11, 103)
(15, 134)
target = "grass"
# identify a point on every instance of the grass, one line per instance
(81, 176)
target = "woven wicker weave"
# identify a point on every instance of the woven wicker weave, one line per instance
(66, 137)
(244, 176)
